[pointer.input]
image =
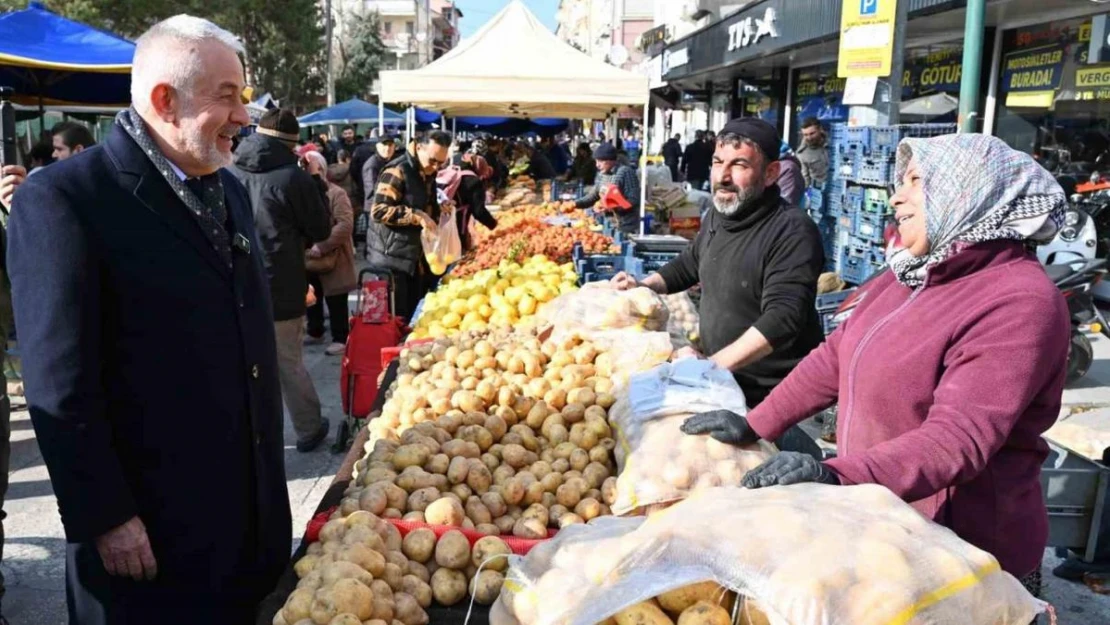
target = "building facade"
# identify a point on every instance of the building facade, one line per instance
(607, 30)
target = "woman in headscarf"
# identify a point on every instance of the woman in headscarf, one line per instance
(953, 363)
(331, 264)
(465, 185)
(792, 186)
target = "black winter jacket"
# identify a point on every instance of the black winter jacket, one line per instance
(393, 240)
(290, 214)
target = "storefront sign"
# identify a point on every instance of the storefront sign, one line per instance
(673, 59)
(1092, 77)
(750, 30)
(866, 37)
(1039, 69)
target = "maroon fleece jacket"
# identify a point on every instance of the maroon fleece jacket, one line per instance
(944, 393)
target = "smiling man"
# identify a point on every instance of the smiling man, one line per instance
(149, 362)
(757, 259)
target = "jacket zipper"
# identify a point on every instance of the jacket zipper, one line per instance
(855, 359)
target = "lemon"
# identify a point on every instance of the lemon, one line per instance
(458, 306)
(527, 305)
(451, 320)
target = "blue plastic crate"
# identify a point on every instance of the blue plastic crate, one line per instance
(598, 267)
(855, 265)
(860, 135)
(875, 172)
(870, 227)
(927, 130)
(566, 190)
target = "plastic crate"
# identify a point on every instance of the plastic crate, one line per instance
(599, 267)
(874, 172)
(860, 135)
(566, 190)
(869, 227)
(855, 265)
(877, 201)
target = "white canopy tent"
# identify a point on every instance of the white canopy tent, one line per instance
(515, 67)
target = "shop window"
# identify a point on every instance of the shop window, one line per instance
(1053, 103)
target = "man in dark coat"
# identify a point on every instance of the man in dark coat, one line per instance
(291, 214)
(696, 161)
(672, 154)
(148, 351)
(371, 166)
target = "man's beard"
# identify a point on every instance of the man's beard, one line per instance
(193, 142)
(743, 199)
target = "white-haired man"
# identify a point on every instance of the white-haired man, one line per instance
(149, 359)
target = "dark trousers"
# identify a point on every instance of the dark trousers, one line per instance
(409, 290)
(337, 313)
(673, 166)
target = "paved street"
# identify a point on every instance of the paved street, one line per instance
(34, 548)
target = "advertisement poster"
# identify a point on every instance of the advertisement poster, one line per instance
(1037, 69)
(866, 37)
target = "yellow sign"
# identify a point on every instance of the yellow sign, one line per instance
(1092, 77)
(866, 37)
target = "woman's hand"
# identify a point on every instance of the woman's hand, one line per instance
(723, 425)
(315, 252)
(686, 352)
(789, 467)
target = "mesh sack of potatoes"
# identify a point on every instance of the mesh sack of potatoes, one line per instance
(871, 559)
(682, 322)
(658, 464)
(597, 306)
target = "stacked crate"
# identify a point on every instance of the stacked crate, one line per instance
(853, 212)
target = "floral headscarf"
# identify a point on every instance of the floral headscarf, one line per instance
(977, 189)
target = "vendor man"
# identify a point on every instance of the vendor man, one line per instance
(757, 259)
(610, 173)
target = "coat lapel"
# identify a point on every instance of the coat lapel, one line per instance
(138, 174)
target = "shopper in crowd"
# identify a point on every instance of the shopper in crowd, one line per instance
(42, 154)
(759, 279)
(148, 350)
(696, 161)
(291, 214)
(339, 174)
(813, 153)
(539, 166)
(672, 154)
(465, 185)
(624, 178)
(384, 150)
(556, 155)
(331, 266)
(584, 167)
(792, 186)
(70, 138)
(956, 358)
(406, 202)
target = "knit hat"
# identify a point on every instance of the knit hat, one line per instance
(281, 124)
(758, 131)
(605, 152)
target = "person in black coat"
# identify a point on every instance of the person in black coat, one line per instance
(696, 161)
(672, 154)
(149, 362)
(384, 152)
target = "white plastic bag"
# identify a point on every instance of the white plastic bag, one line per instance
(683, 321)
(598, 307)
(443, 246)
(658, 464)
(810, 554)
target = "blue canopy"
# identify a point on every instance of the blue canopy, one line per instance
(502, 126)
(353, 111)
(63, 62)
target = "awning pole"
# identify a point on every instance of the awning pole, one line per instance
(972, 64)
(381, 117)
(644, 164)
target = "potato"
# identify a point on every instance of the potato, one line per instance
(418, 570)
(349, 505)
(560, 465)
(522, 406)
(502, 474)
(452, 551)
(372, 500)
(551, 482)
(345, 619)
(448, 586)
(335, 571)
(512, 491)
(298, 606)
(414, 517)
(395, 496)
(753, 614)
(392, 537)
(365, 557)
(507, 414)
(556, 398)
(600, 455)
(583, 396)
(449, 424)
(398, 558)
(704, 613)
(446, 511)
(646, 613)
(605, 399)
(595, 474)
(477, 512)
(530, 528)
(588, 508)
(438, 464)
(494, 503)
(678, 600)
(568, 494)
(410, 456)
(419, 545)
(455, 448)
(505, 524)
(573, 413)
(533, 494)
(392, 575)
(306, 565)
(345, 596)
(413, 481)
(490, 553)
(487, 586)
(609, 490)
(579, 459)
(557, 434)
(478, 478)
(418, 588)
(333, 530)
(407, 610)
(420, 500)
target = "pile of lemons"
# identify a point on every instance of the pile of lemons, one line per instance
(501, 297)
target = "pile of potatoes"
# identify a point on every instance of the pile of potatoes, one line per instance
(456, 568)
(682, 324)
(358, 574)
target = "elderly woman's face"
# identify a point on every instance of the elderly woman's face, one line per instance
(909, 211)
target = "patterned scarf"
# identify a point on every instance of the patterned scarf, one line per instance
(209, 211)
(977, 189)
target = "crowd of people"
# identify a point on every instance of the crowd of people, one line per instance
(160, 284)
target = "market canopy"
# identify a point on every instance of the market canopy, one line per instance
(353, 111)
(64, 62)
(500, 126)
(515, 67)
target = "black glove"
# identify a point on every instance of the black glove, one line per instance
(723, 425)
(789, 467)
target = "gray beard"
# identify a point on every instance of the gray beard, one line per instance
(745, 199)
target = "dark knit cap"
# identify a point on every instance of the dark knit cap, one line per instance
(605, 152)
(280, 123)
(758, 131)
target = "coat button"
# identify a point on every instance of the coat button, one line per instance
(254, 372)
(258, 439)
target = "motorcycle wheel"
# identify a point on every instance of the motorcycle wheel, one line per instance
(1080, 356)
